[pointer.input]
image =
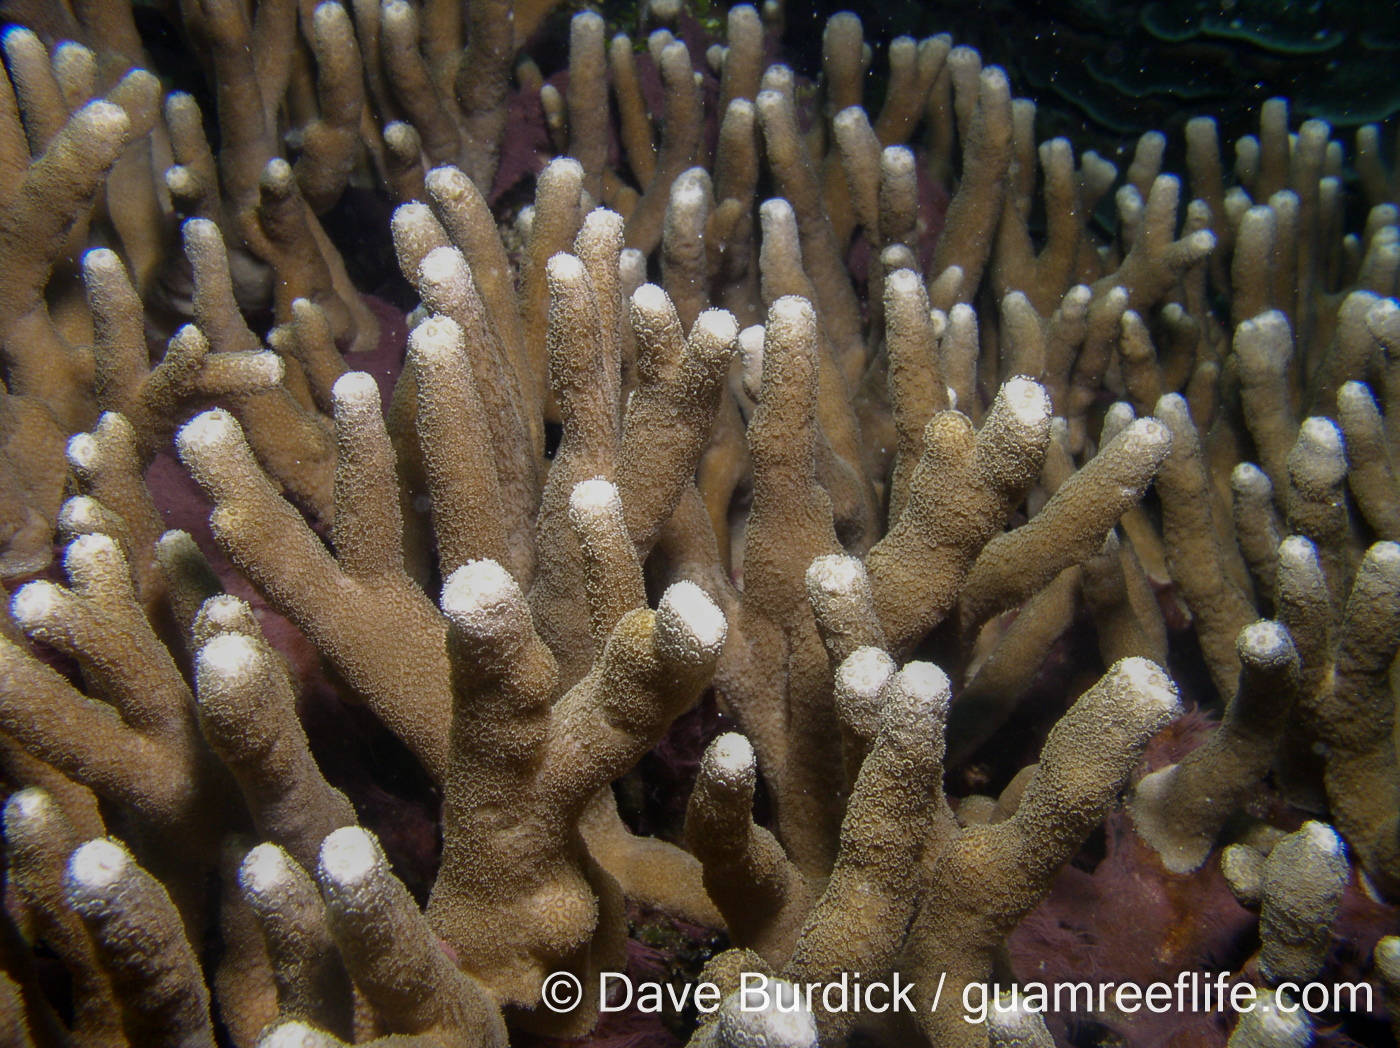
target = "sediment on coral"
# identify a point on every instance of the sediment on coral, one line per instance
(803, 519)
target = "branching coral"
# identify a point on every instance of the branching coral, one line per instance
(920, 497)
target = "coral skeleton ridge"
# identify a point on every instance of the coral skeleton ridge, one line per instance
(736, 528)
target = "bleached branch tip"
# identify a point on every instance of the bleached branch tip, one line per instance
(851, 116)
(349, 856)
(719, 324)
(34, 603)
(835, 574)
(775, 209)
(295, 1035)
(98, 864)
(27, 809)
(792, 310)
(1147, 685)
(565, 268)
(100, 263)
(1320, 441)
(479, 595)
(731, 757)
(864, 674)
(82, 451)
(784, 1023)
(92, 551)
(649, 298)
(1249, 479)
(1149, 433)
(689, 625)
(80, 512)
(224, 609)
(1297, 553)
(1028, 401)
(564, 166)
(264, 869)
(201, 231)
(440, 265)
(207, 430)
(436, 336)
(903, 282)
(228, 656)
(594, 499)
(105, 118)
(1323, 838)
(1385, 555)
(897, 161)
(356, 390)
(1265, 643)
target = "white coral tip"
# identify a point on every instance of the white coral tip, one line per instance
(1150, 433)
(229, 656)
(1249, 479)
(1013, 1017)
(777, 217)
(688, 192)
(82, 451)
(264, 869)
(649, 298)
(595, 499)
(751, 348)
(34, 603)
(1297, 553)
(836, 574)
(295, 1035)
(201, 230)
(436, 338)
(1322, 837)
(266, 368)
(791, 311)
(224, 610)
(89, 549)
(478, 594)
(1265, 642)
(1322, 434)
(349, 856)
(440, 265)
(356, 390)
(1028, 401)
(1384, 555)
(1147, 685)
(564, 166)
(848, 118)
(689, 625)
(864, 673)
(98, 864)
(1355, 396)
(924, 681)
(719, 324)
(106, 118)
(565, 268)
(731, 756)
(785, 1023)
(207, 430)
(897, 161)
(903, 282)
(27, 808)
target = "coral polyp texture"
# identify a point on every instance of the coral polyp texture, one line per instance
(514, 530)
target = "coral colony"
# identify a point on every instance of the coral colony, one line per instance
(810, 575)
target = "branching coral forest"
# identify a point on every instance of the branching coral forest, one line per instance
(475, 511)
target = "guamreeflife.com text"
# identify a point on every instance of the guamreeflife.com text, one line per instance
(758, 992)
